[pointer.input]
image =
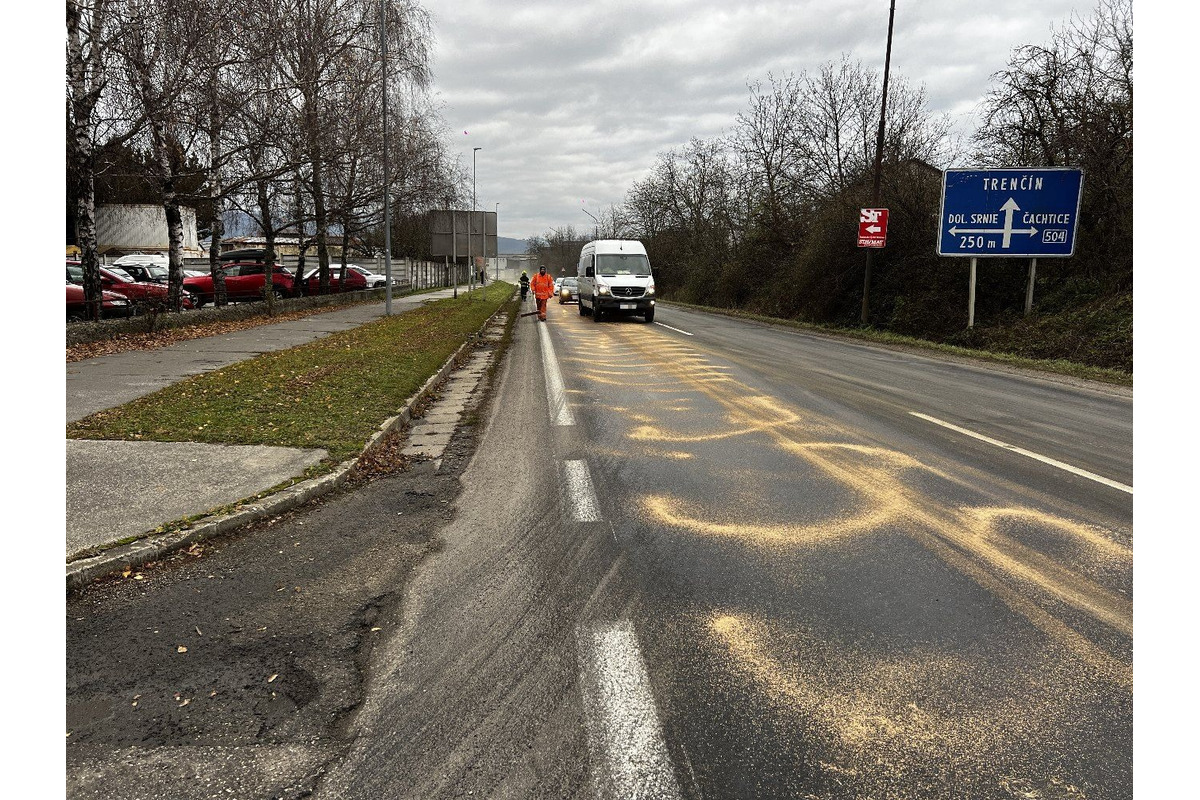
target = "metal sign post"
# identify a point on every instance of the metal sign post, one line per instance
(971, 296)
(1029, 288)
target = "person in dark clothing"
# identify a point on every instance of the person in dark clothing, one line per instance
(524, 286)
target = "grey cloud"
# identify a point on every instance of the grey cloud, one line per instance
(573, 102)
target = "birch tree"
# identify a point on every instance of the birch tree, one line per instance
(87, 28)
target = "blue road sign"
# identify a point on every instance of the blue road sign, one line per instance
(1009, 213)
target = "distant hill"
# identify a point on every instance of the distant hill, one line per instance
(509, 247)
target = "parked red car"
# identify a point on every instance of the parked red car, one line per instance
(243, 281)
(111, 304)
(140, 293)
(355, 282)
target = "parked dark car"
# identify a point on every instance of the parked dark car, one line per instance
(148, 273)
(245, 256)
(141, 294)
(111, 304)
(243, 281)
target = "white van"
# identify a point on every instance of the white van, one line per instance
(615, 278)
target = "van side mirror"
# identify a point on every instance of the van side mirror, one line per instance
(591, 272)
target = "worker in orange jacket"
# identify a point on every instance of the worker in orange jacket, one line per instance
(543, 287)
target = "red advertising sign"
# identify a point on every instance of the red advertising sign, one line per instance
(872, 227)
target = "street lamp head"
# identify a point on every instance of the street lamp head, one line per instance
(476, 148)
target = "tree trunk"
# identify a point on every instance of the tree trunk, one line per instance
(85, 238)
(170, 204)
(320, 216)
(299, 287)
(345, 248)
(217, 193)
(84, 96)
(220, 296)
(316, 156)
(268, 226)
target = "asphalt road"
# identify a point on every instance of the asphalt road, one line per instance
(702, 558)
(840, 598)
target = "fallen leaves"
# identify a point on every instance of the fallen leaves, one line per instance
(180, 649)
(162, 338)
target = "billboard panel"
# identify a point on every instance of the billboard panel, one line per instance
(459, 234)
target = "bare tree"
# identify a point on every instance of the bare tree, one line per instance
(317, 40)
(220, 98)
(1070, 103)
(159, 45)
(265, 148)
(765, 142)
(557, 250)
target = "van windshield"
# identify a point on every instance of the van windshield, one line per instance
(613, 264)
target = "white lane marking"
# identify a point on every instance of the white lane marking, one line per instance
(581, 495)
(625, 737)
(560, 412)
(668, 327)
(1021, 451)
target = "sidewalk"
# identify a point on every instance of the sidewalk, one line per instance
(119, 490)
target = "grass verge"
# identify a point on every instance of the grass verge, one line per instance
(1056, 366)
(333, 393)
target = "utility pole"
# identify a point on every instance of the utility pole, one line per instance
(887, 64)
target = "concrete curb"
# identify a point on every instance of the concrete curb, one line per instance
(154, 547)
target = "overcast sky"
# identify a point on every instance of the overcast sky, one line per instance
(571, 102)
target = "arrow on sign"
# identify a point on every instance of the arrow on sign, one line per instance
(1008, 230)
(873, 229)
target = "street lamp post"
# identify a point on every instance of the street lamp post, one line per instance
(497, 269)
(471, 224)
(584, 210)
(387, 208)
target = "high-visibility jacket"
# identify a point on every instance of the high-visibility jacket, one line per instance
(543, 286)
